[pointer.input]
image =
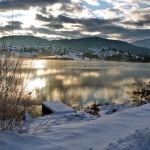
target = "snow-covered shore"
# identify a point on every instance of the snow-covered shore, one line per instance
(85, 132)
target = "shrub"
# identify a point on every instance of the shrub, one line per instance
(14, 97)
(92, 109)
(141, 92)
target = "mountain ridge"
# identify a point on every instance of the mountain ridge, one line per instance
(80, 44)
(142, 43)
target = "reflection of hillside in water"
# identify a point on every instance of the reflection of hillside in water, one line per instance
(74, 84)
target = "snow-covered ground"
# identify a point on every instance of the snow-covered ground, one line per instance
(126, 129)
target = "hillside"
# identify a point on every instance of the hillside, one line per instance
(82, 44)
(25, 41)
(142, 43)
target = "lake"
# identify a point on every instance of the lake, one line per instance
(78, 82)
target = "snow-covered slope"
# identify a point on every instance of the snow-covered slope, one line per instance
(86, 134)
(140, 140)
(113, 54)
(81, 44)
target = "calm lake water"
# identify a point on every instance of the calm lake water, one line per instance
(76, 82)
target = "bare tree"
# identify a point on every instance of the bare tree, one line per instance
(14, 96)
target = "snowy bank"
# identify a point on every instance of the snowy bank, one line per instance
(85, 134)
(140, 140)
(56, 106)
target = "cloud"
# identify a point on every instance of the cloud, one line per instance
(54, 34)
(135, 34)
(42, 30)
(73, 9)
(58, 19)
(141, 22)
(54, 26)
(72, 34)
(124, 19)
(26, 4)
(65, 19)
(16, 26)
(107, 13)
(113, 28)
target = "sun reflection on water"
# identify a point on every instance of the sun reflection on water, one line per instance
(40, 72)
(90, 74)
(70, 81)
(39, 63)
(37, 83)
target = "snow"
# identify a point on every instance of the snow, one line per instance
(140, 140)
(59, 107)
(125, 129)
(23, 54)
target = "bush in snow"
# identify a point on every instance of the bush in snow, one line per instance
(14, 96)
(92, 109)
(141, 92)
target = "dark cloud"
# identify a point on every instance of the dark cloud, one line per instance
(65, 19)
(105, 31)
(135, 34)
(41, 30)
(54, 26)
(25, 4)
(65, 8)
(72, 34)
(16, 26)
(59, 19)
(65, 34)
(91, 25)
(43, 18)
(142, 20)
(87, 25)
(43, 10)
(111, 29)
(123, 33)
(105, 26)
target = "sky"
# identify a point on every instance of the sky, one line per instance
(126, 20)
